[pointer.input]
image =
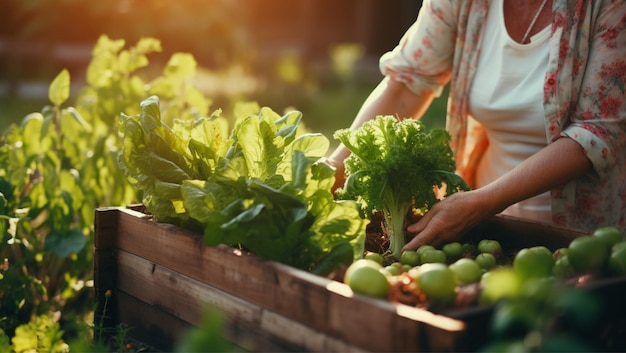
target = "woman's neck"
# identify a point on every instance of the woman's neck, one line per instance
(519, 16)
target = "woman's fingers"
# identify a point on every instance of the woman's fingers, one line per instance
(446, 221)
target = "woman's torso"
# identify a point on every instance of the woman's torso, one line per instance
(506, 97)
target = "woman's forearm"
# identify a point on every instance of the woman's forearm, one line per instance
(556, 164)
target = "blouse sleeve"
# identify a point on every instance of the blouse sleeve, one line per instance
(598, 123)
(423, 58)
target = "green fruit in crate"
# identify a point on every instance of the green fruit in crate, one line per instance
(588, 254)
(433, 256)
(358, 264)
(468, 248)
(617, 261)
(437, 281)
(369, 281)
(423, 248)
(540, 290)
(620, 244)
(533, 262)
(410, 257)
(486, 261)
(466, 271)
(562, 268)
(560, 252)
(453, 249)
(499, 283)
(489, 246)
(393, 270)
(610, 235)
(370, 255)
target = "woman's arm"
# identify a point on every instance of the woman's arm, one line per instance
(556, 164)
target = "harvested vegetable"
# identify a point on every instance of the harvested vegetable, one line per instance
(397, 165)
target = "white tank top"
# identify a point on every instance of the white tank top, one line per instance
(507, 99)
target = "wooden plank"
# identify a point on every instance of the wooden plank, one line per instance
(384, 326)
(180, 295)
(184, 252)
(105, 265)
(183, 297)
(148, 324)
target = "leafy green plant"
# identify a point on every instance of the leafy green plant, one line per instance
(41, 334)
(396, 165)
(59, 164)
(258, 187)
(46, 212)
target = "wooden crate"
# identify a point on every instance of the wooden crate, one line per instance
(161, 277)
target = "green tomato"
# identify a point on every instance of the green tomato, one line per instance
(560, 252)
(370, 255)
(588, 254)
(453, 249)
(393, 270)
(617, 261)
(486, 260)
(369, 281)
(489, 246)
(466, 271)
(410, 257)
(620, 244)
(562, 268)
(437, 281)
(611, 235)
(358, 264)
(533, 262)
(425, 247)
(397, 264)
(468, 248)
(540, 290)
(434, 255)
(499, 283)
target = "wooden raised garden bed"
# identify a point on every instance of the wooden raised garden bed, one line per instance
(161, 278)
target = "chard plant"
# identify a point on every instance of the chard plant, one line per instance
(396, 166)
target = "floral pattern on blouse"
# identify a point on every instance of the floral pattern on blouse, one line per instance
(584, 93)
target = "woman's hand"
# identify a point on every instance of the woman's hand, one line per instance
(448, 219)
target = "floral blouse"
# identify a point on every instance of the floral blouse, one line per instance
(584, 93)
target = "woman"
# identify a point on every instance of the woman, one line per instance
(537, 109)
